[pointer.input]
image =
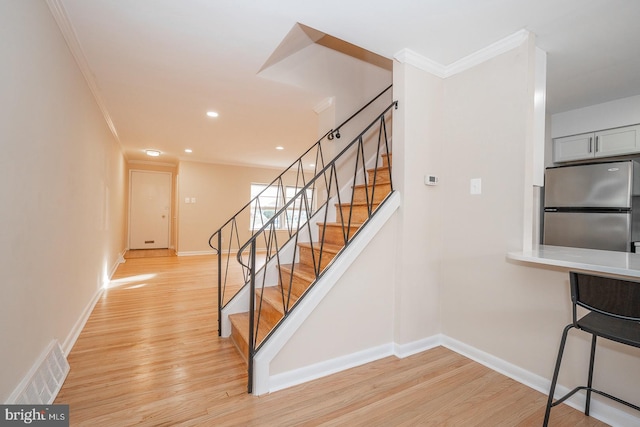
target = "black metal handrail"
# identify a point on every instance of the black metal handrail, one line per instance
(229, 233)
(279, 257)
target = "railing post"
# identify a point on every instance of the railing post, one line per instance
(220, 296)
(252, 308)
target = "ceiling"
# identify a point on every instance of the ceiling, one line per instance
(157, 66)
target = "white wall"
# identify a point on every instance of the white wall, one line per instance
(621, 112)
(487, 120)
(220, 192)
(511, 311)
(61, 190)
(418, 146)
(361, 299)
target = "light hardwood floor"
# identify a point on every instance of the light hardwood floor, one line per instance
(150, 355)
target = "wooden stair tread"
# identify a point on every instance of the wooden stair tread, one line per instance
(301, 270)
(371, 185)
(327, 247)
(379, 169)
(240, 321)
(272, 295)
(339, 224)
(354, 204)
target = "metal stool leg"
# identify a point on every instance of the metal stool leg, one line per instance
(556, 371)
(590, 380)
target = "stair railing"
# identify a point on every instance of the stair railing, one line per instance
(267, 251)
(229, 237)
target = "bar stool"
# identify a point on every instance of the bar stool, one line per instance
(614, 314)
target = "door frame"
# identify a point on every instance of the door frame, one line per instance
(169, 227)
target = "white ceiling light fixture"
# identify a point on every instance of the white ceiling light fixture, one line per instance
(188, 150)
(212, 114)
(152, 153)
(279, 147)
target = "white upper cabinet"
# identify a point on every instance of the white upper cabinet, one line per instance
(576, 147)
(617, 142)
(606, 143)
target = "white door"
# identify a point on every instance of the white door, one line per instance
(149, 210)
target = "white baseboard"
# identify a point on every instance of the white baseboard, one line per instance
(322, 369)
(406, 350)
(332, 366)
(599, 409)
(79, 325)
(196, 253)
(82, 320)
(115, 265)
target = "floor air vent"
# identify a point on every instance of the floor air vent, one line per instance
(42, 384)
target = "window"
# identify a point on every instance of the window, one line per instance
(270, 200)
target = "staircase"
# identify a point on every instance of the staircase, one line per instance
(314, 258)
(319, 208)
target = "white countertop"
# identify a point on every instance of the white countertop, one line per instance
(619, 263)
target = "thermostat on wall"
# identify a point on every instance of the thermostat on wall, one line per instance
(430, 180)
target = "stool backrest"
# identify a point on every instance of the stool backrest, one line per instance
(607, 295)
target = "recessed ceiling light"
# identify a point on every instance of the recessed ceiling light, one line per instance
(279, 148)
(152, 153)
(188, 150)
(212, 114)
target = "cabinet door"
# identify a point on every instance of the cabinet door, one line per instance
(576, 147)
(619, 141)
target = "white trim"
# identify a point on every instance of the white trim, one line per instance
(407, 56)
(196, 253)
(73, 335)
(328, 367)
(324, 104)
(70, 36)
(146, 162)
(338, 364)
(261, 377)
(115, 266)
(491, 51)
(600, 410)
(415, 347)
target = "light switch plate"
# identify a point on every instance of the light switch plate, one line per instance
(475, 186)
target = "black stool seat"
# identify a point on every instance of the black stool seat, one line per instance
(620, 330)
(614, 314)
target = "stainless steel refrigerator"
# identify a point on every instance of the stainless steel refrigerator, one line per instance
(593, 206)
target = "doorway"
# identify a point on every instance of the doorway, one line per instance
(149, 209)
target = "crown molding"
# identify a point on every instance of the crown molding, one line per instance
(410, 57)
(486, 53)
(324, 104)
(144, 162)
(69, 34)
